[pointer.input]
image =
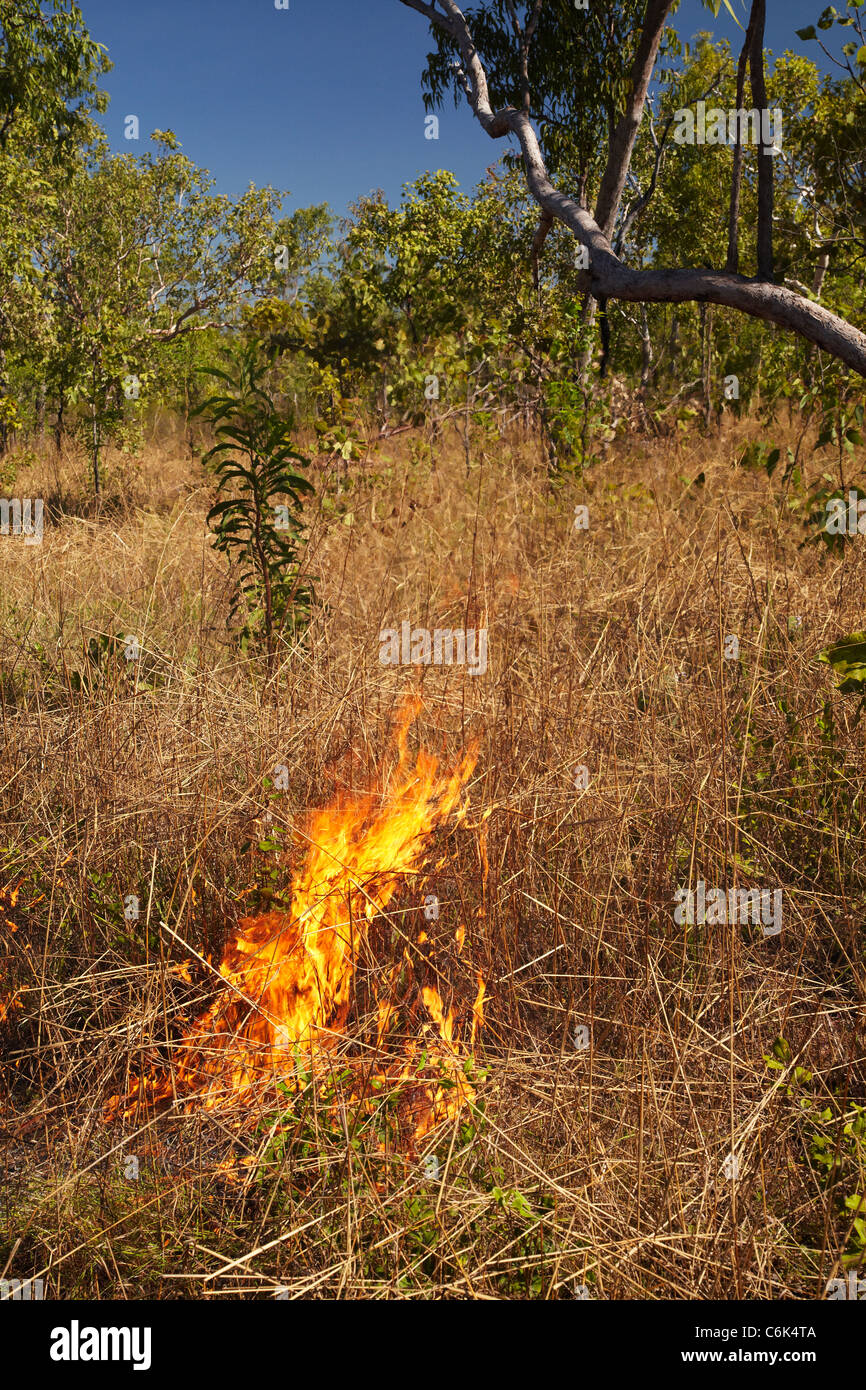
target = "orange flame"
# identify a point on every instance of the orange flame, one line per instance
(8, 1003)
(289, 975)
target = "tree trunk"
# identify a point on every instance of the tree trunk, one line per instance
(94, 454)
(737, 171)
(58, 422)
(4, 428)
(646, 349)
(820, 271)
(765, 159)
(587, 321)
(607, 277)
(706, 359)
(625, 134)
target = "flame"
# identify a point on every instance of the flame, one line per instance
(10, 1001)
(290, 976)
(8, 1004)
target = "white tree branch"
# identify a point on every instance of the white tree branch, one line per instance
(608, 277)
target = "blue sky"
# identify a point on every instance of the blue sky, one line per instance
(322, 99)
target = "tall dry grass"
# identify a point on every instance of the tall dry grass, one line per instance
(602, 1168)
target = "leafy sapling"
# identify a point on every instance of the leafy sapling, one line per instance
(260, 526)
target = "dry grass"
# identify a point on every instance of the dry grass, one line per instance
(601, 1167)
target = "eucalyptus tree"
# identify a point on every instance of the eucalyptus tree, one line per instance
(835, 192)
(137, 254)
(49, 92)
(49, 73)
(524, 85)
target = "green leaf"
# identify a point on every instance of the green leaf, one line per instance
(716, 5)
(781, 1050)
(847, 658)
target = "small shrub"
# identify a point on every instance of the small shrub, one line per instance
(262, 534)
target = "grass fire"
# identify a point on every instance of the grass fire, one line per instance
(432, 656)
(290, 977)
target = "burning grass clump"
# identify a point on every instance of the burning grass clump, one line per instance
(289, 976)
(286, 1004)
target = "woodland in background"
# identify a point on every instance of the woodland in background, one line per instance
(123, 275)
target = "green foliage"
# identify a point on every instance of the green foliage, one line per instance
(802, 790)
(853, 50)
(113, 266)
(833, 1135)
(821, 501)
(111, 660)
(841, 428)
(580, 74)
(261, 533)
(320, 1114)
(847, 657)
(128, 265)
(303, 251)
(714, 6)
(760, 455)
(780, 1059)
(573, 410)
(49, 67)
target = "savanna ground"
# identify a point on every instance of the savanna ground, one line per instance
(605, 1168)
